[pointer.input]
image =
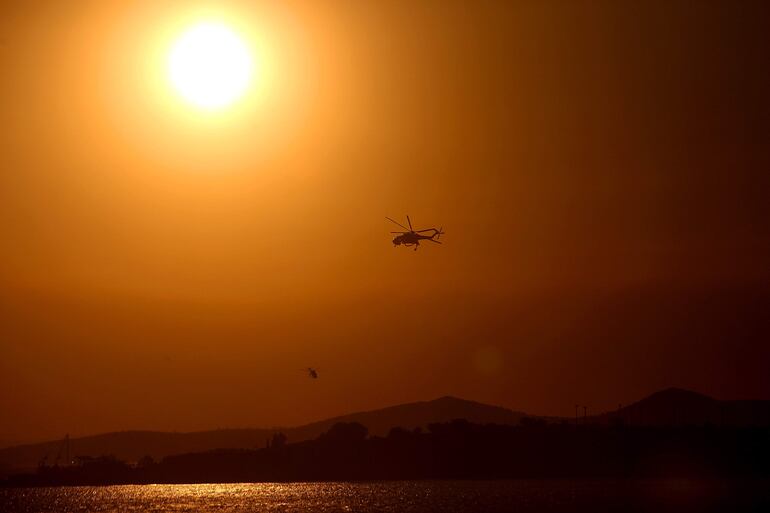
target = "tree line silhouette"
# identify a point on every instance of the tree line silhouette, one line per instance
(450, 450)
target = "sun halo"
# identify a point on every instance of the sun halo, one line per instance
(210, 66)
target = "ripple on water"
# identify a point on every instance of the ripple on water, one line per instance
(405, 496)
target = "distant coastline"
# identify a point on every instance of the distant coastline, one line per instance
(673, 432)
(452, 450)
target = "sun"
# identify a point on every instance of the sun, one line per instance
(210, 66)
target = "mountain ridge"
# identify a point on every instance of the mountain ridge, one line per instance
(131, 445)
(664, 408)
(680, 407)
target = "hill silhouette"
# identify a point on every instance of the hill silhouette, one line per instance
(413, 415)
(667, 408)
(133, 445)
(679, 407)
(451, 450)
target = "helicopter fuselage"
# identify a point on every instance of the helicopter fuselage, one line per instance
(411, 238)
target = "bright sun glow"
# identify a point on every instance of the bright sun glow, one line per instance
(210, 66)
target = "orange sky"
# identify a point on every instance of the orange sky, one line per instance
(600, 171)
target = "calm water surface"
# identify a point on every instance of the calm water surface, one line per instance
(413, 496)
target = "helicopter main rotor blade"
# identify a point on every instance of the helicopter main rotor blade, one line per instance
(410, 223)
(426, 230)
(433, 240)
(399, 232)
(392, 221)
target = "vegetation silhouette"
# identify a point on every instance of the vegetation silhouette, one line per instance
(132, 445)
(449, 450)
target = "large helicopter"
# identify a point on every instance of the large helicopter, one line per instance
(412, 237)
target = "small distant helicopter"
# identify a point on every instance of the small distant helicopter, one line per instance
(311, 372)
(412, 237)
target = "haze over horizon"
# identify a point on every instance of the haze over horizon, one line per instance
(600, 171)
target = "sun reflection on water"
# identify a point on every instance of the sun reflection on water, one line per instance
(526, 495)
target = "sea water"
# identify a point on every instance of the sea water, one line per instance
(526, 495)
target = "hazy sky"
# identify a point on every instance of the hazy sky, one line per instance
(600, 170)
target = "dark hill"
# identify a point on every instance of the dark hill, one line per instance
(679, 407)
(133, 445)
(413, 415)
(670, 407)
